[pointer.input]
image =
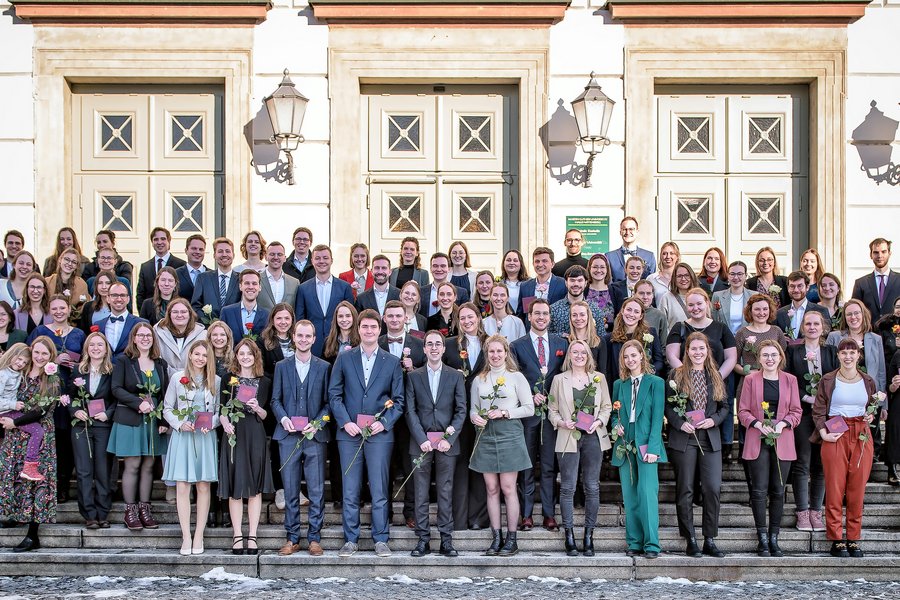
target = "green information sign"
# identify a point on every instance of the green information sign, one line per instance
(594, 230)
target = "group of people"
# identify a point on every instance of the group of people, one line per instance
(276, 375)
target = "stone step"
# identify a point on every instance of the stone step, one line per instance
(364, 565)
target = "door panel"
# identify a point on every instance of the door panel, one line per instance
(762, 132)
(118, 203)
(400, 210)
(474, 213)
(184, 204)
(691, 133)
(184, 133)
(402, 133)
(113, 130)
(692, 212)
(472, 133)
(761, 214)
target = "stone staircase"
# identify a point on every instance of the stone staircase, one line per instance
(70, 550)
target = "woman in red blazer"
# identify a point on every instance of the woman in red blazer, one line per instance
(360, 275)
(769, 405)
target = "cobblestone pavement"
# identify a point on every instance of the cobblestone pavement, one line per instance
(218, 584)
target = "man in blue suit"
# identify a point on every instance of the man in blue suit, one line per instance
(545, 284)
(540, 355)
(300, 390)
(317, 298)
(195, 250)
(118, 325)
(366, 381)
(440, 274)
(217, 288)
(246, 312)
(628, 229)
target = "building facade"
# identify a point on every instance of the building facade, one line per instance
(737, 124)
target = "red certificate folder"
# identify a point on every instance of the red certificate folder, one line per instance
(585, 420)
(695, 417)
(95, 407)
(203, 420)
(363, 421)
(299, 422)
(836, 425)
(434, 437)
(246, 393)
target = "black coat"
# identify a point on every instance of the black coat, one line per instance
(147, 277)
(125, 380)
(104, 392)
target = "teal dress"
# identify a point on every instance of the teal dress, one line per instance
(128, 440)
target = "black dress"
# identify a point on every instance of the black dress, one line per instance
(892, 426)
(250, 472)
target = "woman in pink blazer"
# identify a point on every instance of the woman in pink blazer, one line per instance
(770, 410)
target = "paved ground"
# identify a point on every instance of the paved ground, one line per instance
(218, 584)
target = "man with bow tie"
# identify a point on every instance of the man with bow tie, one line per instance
(118, 325)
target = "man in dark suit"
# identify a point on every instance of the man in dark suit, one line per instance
(790, 317)
(881, 288)
(118, 325)
(440, 273)
(246, 312)
(276, 286)
(545, 284)
(620, 291)
(435, 403)
(216, 288)
(411, 353)
(195, 250)
(13, 242)
(161, 239)
(299, 264)
(300, 389)
(317, 298)
(381, 292)
(628, 229)
(366, 381)
(540, 357)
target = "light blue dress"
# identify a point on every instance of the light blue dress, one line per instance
(192, 456)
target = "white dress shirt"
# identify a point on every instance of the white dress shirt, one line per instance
(276, 285)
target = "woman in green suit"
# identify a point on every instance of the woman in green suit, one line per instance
(638, 406)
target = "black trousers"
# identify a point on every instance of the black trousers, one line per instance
(767, 483)
(401, 466)
(541, 446)
(443, 467)
(687, 464)
(93, 469)
(469, 493)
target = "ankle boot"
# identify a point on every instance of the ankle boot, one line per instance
(692, 549)
(710, 548)
(132, 520)
(773, 543)
(146, 516)
(762, 546)
(510, 547)
(589, 541)
(571, 549)
(496, 542)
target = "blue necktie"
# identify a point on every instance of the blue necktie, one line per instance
(223, 287)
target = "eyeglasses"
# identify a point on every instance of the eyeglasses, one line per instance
(736, 274)
(434, 344)
(70, 261)
(143, 335)
(118, 295)
(573, 240)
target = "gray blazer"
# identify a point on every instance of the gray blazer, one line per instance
(722, 299)
(420, 276)
(874, 350)
(267, 300)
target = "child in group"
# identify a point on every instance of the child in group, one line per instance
(13, 363)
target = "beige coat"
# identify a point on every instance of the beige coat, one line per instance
(563, 403)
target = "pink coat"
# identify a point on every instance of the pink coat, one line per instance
(789, 410)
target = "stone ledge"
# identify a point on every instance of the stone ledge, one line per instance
(142, 12)
(729, 12)
(430, 13)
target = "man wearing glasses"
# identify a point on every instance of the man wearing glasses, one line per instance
(574, 242)
(628, 229)
(118, 325)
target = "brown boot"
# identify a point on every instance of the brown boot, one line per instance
(146, 517)
(132, 520)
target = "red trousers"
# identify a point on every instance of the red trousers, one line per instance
(847, 464)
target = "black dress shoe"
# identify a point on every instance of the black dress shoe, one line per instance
(211, 521)
(710, 548)
(27, 545)
(476, 527)
(839, 549)
(651, 554)
(421, 549)
(633, 552)
(447, 549)
(692, 549)
(9, 524)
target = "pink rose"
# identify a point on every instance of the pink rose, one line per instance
(406, 352)
(51, 368)
(811, 356)
(65, 400)
(791, 313)
(79, 382)
(355, 285)
(751, 339)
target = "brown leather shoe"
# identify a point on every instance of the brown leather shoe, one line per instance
(288, 549)
(527, 524)
(132, 520)
(550, 524)
(315, 549)
(146, 516)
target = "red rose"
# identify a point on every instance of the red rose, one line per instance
(184, 381)
(435, 303)
(444, 331)
(249, 326)
(560, 353)
(95, 328)
(709, 280)
(717, 305)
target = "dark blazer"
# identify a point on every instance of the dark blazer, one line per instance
(797, 366)
(420, 276)
(123, 268)
(556, 292)
(657, 356)
(307, 307)
(616, 260)
(779, 280)
(349, 396)
(367, 299)
(287, 401)
(717, 411)
(523, 351)
(148, 312)
(415, 345)
(718, 285)
(866, 289)
(207, 292)
(104, 392)
(783, 321)
(185, 285)
(147, 276)
(425, 413)
(618, 293)
(15, 336)
(125, 380)
(130, 322)
(308, 271)
(270, 357)
(452, 359)
(231, 316)
(462, 296)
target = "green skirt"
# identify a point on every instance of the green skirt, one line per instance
(128, 440)
(501, 448)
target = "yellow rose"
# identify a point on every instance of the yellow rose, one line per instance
(596, 379)
(326, 418)
(233, 381)
(148, 373)
(765, 406)
(501, 380)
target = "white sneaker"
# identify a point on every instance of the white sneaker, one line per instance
(279, 499)
(304, 501)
